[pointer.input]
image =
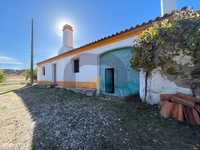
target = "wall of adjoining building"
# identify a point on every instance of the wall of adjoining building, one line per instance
(157, 84)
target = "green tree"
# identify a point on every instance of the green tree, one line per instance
(160, 44)
(173, 46)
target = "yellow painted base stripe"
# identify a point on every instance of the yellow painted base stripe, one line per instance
(72, 84)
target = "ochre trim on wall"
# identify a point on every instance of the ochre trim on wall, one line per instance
(43, 82)
(72, 84)
(112, 39)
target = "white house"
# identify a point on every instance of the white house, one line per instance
(103, 65)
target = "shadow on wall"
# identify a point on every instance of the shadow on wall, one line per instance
(109, 60)
(126, 80)
(85, 60)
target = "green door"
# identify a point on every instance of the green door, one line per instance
(109, 80)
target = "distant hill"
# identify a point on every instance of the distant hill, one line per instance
(12, 71)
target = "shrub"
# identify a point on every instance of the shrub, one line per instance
(27, 74)
(2, 76)
(171, 44)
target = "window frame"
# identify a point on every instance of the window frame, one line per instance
(76, 65)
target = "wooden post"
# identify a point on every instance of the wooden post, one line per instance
(32, 47)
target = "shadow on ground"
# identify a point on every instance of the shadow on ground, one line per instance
(65, 120)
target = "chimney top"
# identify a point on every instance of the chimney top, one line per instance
(67, 26)
(67, 39)
(167, 6)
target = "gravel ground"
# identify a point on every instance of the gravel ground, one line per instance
(41, 118)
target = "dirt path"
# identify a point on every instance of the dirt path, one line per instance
(12, 82)
(16, 125)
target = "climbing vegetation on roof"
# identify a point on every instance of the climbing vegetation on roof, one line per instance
(173, 45)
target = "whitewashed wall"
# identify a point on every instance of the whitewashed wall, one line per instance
(88, 64)
(89, 72)
(48, 73)
(158, 84)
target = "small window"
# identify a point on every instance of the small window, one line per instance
(43, 71)
(76, 65)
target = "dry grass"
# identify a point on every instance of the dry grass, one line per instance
(11, 83)
(15, 123)
(15, 120)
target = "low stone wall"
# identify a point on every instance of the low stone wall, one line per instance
(157, 84)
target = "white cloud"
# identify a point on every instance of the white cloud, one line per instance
(9, 61)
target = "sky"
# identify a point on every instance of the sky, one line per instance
(91, 20)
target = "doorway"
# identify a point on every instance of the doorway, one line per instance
(109, 80)
(54, 73)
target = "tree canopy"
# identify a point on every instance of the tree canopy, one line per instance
(173, 45)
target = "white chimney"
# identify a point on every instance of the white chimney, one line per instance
(167, 6)
(67, 44)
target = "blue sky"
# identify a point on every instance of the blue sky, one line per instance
(92, 19)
